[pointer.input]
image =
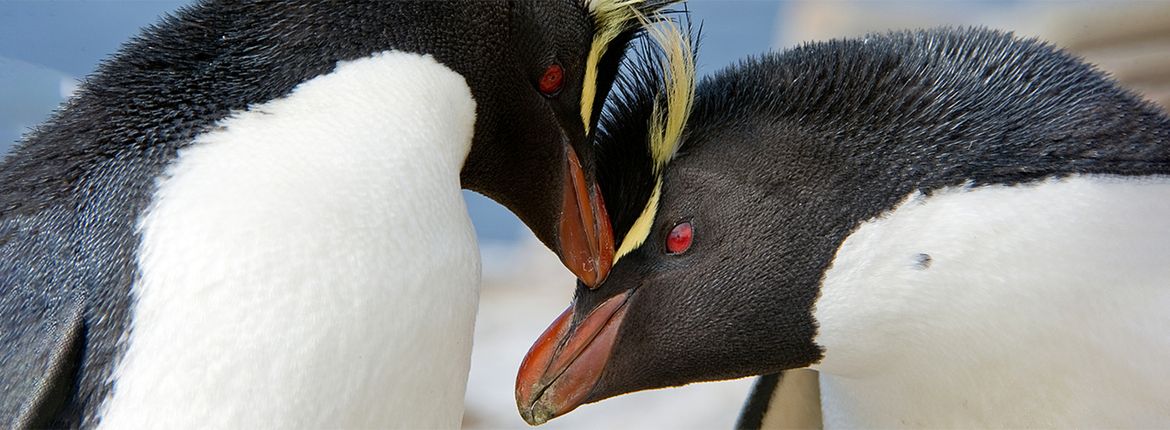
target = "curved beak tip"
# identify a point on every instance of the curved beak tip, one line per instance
(538, 414)
(561, 369)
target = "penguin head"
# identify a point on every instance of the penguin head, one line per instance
(725, 250)
(539, 96)
(696, 292)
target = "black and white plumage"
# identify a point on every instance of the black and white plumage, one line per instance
(250, 216)
(953, 227)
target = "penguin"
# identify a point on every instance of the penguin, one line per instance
(936, 229)
(251, 216)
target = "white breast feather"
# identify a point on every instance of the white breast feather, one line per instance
(1043, 305)
(310, 262)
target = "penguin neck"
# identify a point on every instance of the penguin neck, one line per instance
(310, 262)
(1037, 305)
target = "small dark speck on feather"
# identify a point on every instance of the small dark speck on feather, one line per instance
(922, 261)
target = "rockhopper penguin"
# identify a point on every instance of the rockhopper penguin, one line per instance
(955, 228)
(250, 216)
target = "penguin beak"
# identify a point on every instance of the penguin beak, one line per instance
(560, 371)
(586, 238)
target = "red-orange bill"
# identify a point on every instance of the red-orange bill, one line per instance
(565, 363)
(586, 237)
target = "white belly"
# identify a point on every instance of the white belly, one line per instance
(1042, 306)
(310, 263)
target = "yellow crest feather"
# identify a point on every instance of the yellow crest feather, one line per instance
(642, 226)
(666, 127)
(612, 18)
(678, 66)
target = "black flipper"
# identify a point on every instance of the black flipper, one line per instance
(40, 363)
(788, 400)
(756, 406)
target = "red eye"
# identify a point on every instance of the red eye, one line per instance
(552, 79)
(679, 239)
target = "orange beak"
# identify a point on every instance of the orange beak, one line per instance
(559, 372)
(586, 237)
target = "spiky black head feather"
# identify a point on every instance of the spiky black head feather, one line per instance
(625, 166)
(641, 128)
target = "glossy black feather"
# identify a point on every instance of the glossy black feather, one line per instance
(981, 105)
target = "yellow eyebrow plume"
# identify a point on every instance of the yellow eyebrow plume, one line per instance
(668, 119)
(612, 18)
(640, 230)
(678, 65)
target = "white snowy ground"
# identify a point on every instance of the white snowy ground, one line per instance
(525, 288)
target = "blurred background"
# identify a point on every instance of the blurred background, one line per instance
(48, 46)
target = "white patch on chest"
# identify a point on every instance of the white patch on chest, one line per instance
(310, 263)
(1042, 305)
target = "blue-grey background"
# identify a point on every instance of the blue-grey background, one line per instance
(46, 46)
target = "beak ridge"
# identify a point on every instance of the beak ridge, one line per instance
(586, 237)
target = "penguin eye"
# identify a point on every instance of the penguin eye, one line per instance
(551, 80)
(679, 239)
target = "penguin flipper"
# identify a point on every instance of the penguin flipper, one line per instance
(40, 362)
(751, 417)
(787, 400)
